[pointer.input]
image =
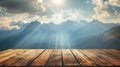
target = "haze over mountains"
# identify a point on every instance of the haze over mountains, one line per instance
(66, 35)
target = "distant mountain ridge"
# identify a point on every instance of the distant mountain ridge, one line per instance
(50, 35)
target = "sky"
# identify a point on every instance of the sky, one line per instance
(59, 23)
(17, 12)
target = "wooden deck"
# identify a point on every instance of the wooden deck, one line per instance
(60, 57)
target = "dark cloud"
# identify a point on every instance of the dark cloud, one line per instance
(17, 6)
(24, 6)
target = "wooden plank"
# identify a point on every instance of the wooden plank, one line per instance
(12, 60)
(60, 58)
(69, 59)
(109, 55)
(10, 54)
(97, 59)
(23, 59)
(26, 60)
(107, 58)
(5, 51)
(115, 51)
(42, 59)
(83, 60)
(55, 59)
(116, 55)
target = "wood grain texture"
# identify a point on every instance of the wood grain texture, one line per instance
(42, 59)
(114, 60)
(83, 60)
(96, 58)
(25, 60)
(55, 59)
(60, 57)
(116, 55)
(5, 51)
(105, 57)
(69, 59)
(9, 54)
(22, 59)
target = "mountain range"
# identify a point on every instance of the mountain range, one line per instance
(69, 34)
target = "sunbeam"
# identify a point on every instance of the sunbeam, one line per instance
(62, 40)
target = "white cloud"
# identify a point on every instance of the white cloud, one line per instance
(115, 2)
(5, 24)
(27, 11)
(57, 18)
(64, 15)
(105, 13)
(45, 14)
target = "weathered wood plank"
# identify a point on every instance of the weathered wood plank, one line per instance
(10, 54)
(42, 59)
(112, 53)
(55, 59)
(12, 60)
(23, 59)
(83, 60)
(26, 60)
(5, 51)
(60, 57)
(106, 57)
(97, 59)
(115, 51)
(69, 59)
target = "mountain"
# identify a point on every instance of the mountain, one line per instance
(69, 34)
(113, 37)
(109, 39)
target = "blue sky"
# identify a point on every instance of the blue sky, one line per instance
(57, 11)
